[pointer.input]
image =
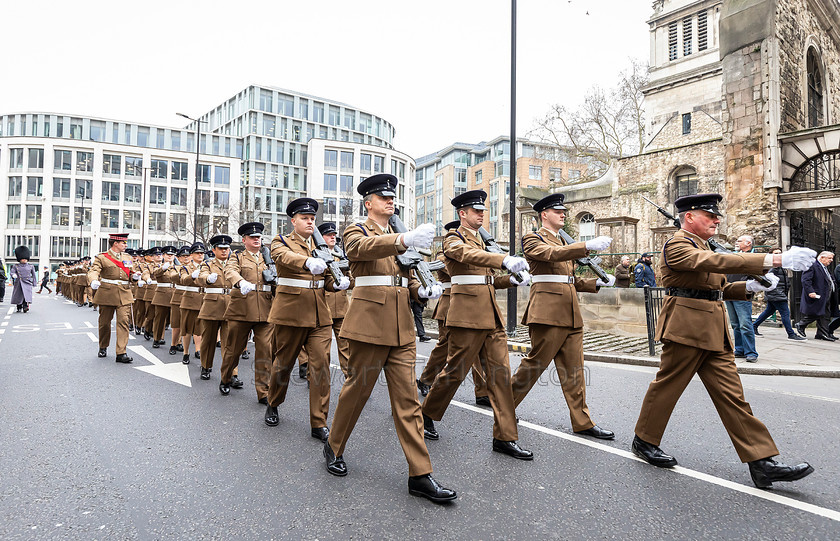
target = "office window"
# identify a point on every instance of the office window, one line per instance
(61, 188)
(75, 128)
(318, 112)
(334, 115)
(131, 220)
(178, 197)
(304, 109)
(222, 200)
(84, 162)
(33, 214)
(345, 183)
(204, 173)
(36, 158)
(330, 183)
(111, 164)
(285, 105)
(157, 221)
(365, 163)
(331, 159)
(203, 198)
(34, 186)
(13, 215)
(63, 160)
(686, 123)
(378, 164)
(111, 191)
(84, 189)
(178, 222)
(555, 174)
(347, 162)
(175, 137)
(133, 193)
(97, 130)
(81, 217)
(329, 205)
(266, 100)
(133, 166)
(350, 119)
(15, 186)
(15, 157)
(157, 195)
(179, 171)
(222, 176)
(61, 216)
(534, 172)
(672, 41)
(160, 169)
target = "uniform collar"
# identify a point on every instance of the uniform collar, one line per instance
(300, 239)
(375, 227)
(692, 236)
(548, 231)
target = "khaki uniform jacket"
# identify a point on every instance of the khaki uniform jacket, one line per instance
(177, 294)
(688, 261)
(215, 304)
(110, 294)
(296, 306)
(442, 306)
(473, 306)
(256, 305)
(149, 289)
(190, 300)
(552, 303)
(163, 295)
(378, 314)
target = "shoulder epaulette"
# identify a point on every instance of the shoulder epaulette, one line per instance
(362, 227)
(665, 255)
(283, 241)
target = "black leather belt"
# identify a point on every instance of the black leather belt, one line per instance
(704, 294)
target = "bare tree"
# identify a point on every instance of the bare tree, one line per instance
(212, 220)
(608, 124)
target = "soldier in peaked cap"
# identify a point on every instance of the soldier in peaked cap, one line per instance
(182, 258)
(109, 277)
(138, 283)
(476, 325)
(153, 258)
(250, 304)
(166, 275)
(553, 316)
(217, 287)
(695, 336)
(191, 300)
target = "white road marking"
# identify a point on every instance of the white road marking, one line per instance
(2, 331)
(4, 324)
(176, 372)
(11, 311)
(66, 326)
(752, 491)
(89, 335)
(88, 324)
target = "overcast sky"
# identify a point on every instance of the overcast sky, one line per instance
(438, 70)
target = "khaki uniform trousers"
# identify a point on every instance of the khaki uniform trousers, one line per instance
(437, 360)
(161, 316)
(717, 371)
(465, 345)
(175, 321)
(341, 345)
(238, 332)
(210, 330)
(106, 313)
(149, 320)
(563, 345)
(139, 313)
(366, 362)
(288, 342)
(190, 324)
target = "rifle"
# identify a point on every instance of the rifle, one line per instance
(412, 258)
(588, 261)
(322, 251)
(343, 262)
(493, 247)
(716, 246)
(269, 274)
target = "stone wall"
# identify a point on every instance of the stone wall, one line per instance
(705, 126)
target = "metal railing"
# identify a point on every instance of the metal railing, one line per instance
(653, 305)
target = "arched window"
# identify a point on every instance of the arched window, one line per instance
(816, 115)
(587, 227)
(685, 180)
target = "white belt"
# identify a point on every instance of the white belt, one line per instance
(191, 289)
(163, 284)
(472, 279)
(552, 278)
(152, 283)
(179, 287)
(446, 285)
(364, 281)
(263, 288)
(117, 282)
(306, 284)
(216, 290)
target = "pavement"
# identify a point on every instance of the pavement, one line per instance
(777, 355)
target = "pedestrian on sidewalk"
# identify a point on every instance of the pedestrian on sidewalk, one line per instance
(622, 272)
(835, 307)
(643, 272)
(45, 281)
(777, 301)
(417, 309)
(740, 312)
(817, 287)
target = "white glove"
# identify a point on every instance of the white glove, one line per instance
(610, 281)
(14, 276)
(136, 275)
(421, 237)
(166, 265)
(526, 279)
(798, 258)
(94, 284)
(343, 284)
(245, 287)
(754, 287)
(212, 277)
(515, 264)
(599, 244)
(316, 265)
(194, 274)
(141, 283)
(433, 293)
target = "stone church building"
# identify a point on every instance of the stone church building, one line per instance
(743, 100)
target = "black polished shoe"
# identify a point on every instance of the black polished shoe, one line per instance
(597, 432)
(180, 348)
(800, 329)
(205, 373)
(224, 388)
(147, 335)
(245, 355)
(321, 433)
(425, 486)
(186, 359)
(102, 352)
(425, 339)
(138, 331)
(197, 354)
(429, 431)
(218, 343)
(826, 338)
(236, 383)
(335, 464)
(263, 401)
(130, 327)
(755, 331)
(511, 448)
(173, 350)
(303, 371)
(423, 388)
(124, 358)
(156, 344)
(740, 355)
(272, 418)
(652, 454)
(765, 471)
(482, 401)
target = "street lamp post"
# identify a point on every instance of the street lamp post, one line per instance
(512, 293)
(143, 212)
(197, 153)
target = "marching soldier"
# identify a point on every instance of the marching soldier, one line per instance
(191, 299)
(301, 317)
(553, 315)
(183, 256)
(153, 258)
(217, 288)
(338, 303)
(380, 330)
(437, 358)
(248, 312)
(694, 332)
(138, 268)
(476, 326)
(109, 278)
(165, 275)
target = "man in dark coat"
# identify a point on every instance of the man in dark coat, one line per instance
(817, 287)
(643, 272)
(24, 276)
(777, 301)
